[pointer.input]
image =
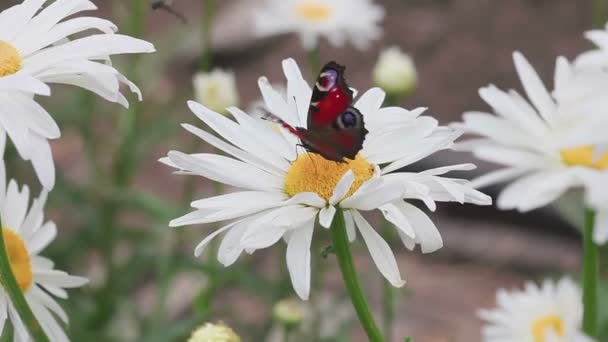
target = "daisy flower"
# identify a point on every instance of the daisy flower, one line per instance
(336, 20)
(552, 312)
(529, 138)
(34, 50)
(25, 236)
(285, 188)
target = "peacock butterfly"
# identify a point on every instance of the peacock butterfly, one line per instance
(335, 128)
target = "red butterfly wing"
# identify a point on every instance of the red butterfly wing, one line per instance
(330, 97)
(342, 139)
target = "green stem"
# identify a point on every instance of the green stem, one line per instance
(590, 277)
(314, 62)
(287, 332)
(206, 34)
(389, 294)
(9, 283)
(351, 281)
(7, 333)
(600, 11)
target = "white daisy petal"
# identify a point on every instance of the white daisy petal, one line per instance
(426, 232)
(535, 89)
(380, 251)
(298, 258)
(351, 228)
(600, 231)
(326, 216)
(342, 187)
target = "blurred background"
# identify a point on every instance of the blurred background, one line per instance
(113, 200)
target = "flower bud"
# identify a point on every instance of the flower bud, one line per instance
(216, 90)
(290, 312)
(214, 332)
(395, 72)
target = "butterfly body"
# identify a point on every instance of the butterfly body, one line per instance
(335, 129)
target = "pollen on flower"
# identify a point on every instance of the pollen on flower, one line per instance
(313, 173)
(583, 156)
(540, 327)
(10, 61)
(19, 258)
(313, 10)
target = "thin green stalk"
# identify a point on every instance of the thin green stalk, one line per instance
(123, 171)
(351, 281)
(314, 62)
(600, 12)
(287, 332)
(9, 283)
(590, 277)
(389, 300)
(206, 34)
(7, 333)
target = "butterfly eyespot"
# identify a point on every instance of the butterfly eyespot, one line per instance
(327, 80)
(348, 119)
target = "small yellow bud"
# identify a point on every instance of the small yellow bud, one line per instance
(290, 312)
(216, 90)
(395, 72)
(214, 332)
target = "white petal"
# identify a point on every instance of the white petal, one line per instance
(396, 216)
(298, 258)
(326, 216)
(258, 237)
(342, 187)
(427, 234)
(59, 278)
(42, 238)
(536, 190)
(535, 88)
(198, 250)
(351, 229)
(380, 251)
(600, 232)
(373, 197)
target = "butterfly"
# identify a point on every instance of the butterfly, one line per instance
(335, 128)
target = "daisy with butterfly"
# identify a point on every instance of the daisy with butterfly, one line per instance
(352, 150)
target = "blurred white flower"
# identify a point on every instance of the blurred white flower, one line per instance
(597, 58)
(395, 72)
(286, 188)
(26, 235)
(216, 90)
(550, 313)
(532, 140)
(34, 50)
(337, 20)
(214, 332)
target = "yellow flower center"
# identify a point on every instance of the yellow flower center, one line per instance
(19, 258)
(313, 173)
(583, 156)
(540, 326)
(10, 61)
(313, 10)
